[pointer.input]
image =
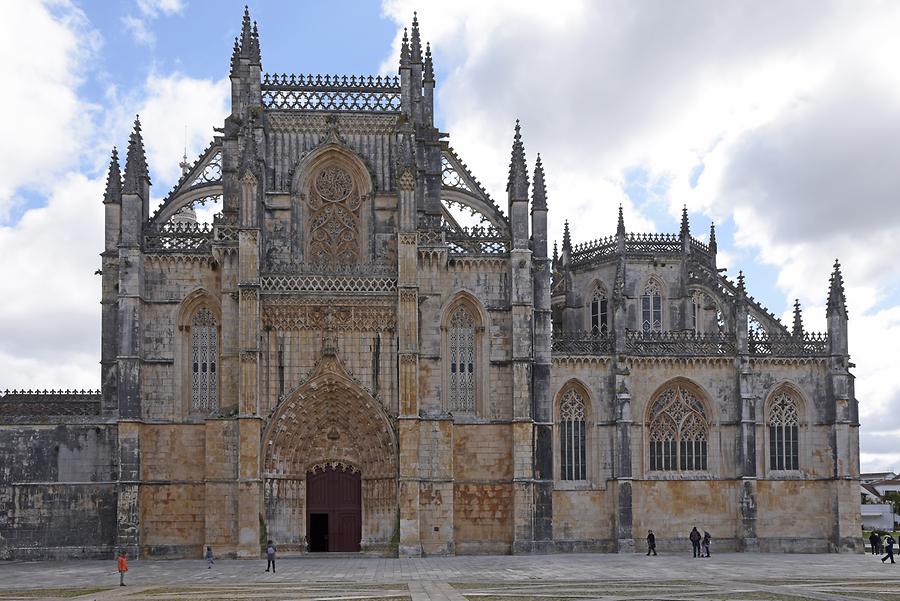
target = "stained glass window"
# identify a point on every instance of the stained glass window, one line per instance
(599, 312)
(784, 430)
(572, 443)
(203, 361)
(651, 308)
(678, 432)
(461, 343)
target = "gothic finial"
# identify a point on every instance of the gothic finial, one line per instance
(246, 30)
(255, 57)
(837, 303)
(713, 247)
(685, 224)
(517, 185)
(797, 330)
(620, 226)
(555, 256)
(429, 65)
(404, 49)
(235, 57)
(567, 237)
(740, 281)
(416, 42)
(135, 161)
(539, 192)
(113, 180)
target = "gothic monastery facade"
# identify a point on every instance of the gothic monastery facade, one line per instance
(338, 363)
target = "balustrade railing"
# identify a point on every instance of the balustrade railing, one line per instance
(582, 343)
(331, 93)
(761, 343)
(679, 344)
(48, 403)
(477, 240)
(178, 237)
(652, 243)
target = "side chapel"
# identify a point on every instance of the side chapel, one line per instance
(338, 362)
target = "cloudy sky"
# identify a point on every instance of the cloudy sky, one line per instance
(780, 121)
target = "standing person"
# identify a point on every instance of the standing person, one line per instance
(123, 567)
(695, 541)
(270, 556)
(705, 544)
(209, 558)
(874, 539)
(651, 542)
(889, 543)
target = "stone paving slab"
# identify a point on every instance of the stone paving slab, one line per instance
(605, 577)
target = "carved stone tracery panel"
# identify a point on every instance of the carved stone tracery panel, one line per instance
(334, 218)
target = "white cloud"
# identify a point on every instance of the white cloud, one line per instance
(148, 11)
(139, 29)
(46, 48)
(154, 8)
(791, 110)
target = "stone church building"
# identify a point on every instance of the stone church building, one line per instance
(339, 362)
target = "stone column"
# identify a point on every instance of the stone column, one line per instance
(747, 436)
(623, 461)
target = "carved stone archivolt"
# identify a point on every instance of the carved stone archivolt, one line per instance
(338, 314)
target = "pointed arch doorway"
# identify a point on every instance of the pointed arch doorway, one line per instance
(334, 509)
(330, 467)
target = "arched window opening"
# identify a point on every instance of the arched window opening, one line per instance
(679, 431)
(572, 440)
(706, 318)
(461, 343)
(784, 431)
(599, 312)
(203, 361)
(651, 308)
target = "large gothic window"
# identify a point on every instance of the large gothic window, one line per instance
(651, 307)
(203, 361)
(462, 367)
(784, 431)
(334, 206)
(678, 432)
(572, 442)
(705, 316)
(599, 308)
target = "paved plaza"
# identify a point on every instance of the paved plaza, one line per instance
(607, 577)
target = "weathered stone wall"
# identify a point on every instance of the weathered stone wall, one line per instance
(57, 491)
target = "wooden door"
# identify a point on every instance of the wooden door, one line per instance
(337, 494)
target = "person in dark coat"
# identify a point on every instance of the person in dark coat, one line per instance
(889, 544)
(695, 541)
(651, 542)
(704, 544)
(875, 541)
(270, 555)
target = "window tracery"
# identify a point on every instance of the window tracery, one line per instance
(599, 308)
(334, 218)
(572, 439)
(651, 307)
(461, 346)
(679, 431)
(706, 317)
(203, 361)
(784, 430)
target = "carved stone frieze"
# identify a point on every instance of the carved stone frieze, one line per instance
(337, 314)
(304, 124)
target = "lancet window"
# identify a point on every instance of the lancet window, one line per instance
(462, 367)
(651, 307)
(678, 432)
(572, 439)
(204, 353)
(599, 308)
(784, 433)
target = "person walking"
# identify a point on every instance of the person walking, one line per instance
(651, 542)
(270, 556)
(209, 558)
(704, 544)
(874, 540)
(695, 541)
(122, 565)
(889, 544)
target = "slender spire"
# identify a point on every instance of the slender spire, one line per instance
(135, 161)
(246, 31)
(797, 330)
(567, 237)
(555, 256)
(404, 50)
(740, 282)
(837, 303)
(416, 42)
(713, 247)
(620, 225)
(429, 65)
(539, 193)
(255, 57)
(235, 57)
(249, 42)
(685, 224)
(113, 180)
(517, 185)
